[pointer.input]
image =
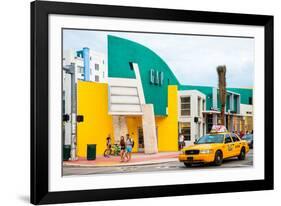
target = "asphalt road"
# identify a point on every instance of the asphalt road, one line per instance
(169, 166)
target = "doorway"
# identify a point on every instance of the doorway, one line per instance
(140, 140)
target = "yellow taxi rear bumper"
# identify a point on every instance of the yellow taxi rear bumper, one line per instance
(204, 158)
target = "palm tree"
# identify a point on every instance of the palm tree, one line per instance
(221, 70)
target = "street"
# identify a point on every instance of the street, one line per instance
(167, 166)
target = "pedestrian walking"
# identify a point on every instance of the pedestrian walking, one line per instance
(123, 147)
(181, 141)
(129, 147)
(241, 134)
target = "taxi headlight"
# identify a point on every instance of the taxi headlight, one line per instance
(206, 151)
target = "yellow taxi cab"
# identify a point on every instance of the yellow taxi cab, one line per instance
(214, 148)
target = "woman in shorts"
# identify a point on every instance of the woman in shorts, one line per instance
(122, 147)
(129, 147)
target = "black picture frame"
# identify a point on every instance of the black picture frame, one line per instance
(39, 102)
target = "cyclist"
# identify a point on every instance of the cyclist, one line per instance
(108, 146)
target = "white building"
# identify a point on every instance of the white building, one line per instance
(90, 65)
(191, 104)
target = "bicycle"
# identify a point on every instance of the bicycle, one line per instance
(114, 150)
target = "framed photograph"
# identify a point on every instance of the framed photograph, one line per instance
(131, 102)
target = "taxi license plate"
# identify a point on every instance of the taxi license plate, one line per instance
(189, 158)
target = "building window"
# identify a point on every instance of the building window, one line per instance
(203, 105)
(161, 78)
(198, 106)
(63, 101)
(91, 71)
(140, 138)
(185, 106)
(97, 67)
(97, 78)
(250, 100)
(80, 70)
(209, 122)
(185, 130)
(151, 76)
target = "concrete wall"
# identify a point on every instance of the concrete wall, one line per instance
(149, 129)
(119, 127)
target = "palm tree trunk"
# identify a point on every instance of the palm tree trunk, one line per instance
(221, 70)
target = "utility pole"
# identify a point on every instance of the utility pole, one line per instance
(73, 86)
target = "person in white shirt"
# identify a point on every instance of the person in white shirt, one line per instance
(181, 141)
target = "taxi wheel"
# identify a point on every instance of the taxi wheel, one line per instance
(187, 164)
(218, 158)
(242, 154)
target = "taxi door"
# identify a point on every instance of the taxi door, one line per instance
(237, 144)
(228, 146)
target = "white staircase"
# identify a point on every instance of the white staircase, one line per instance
(126, 95)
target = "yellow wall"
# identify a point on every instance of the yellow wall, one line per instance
(133, 123)
(92, 102)
(168, 126)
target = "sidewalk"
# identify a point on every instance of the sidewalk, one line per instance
(137, 159)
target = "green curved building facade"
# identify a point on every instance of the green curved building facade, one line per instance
(155, 73)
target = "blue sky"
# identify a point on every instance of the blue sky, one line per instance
(193, 59)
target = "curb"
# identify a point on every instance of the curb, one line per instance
(121, 164)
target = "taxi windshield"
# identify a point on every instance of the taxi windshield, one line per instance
(210, 138)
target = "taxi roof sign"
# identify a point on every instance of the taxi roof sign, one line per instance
(218, 129)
